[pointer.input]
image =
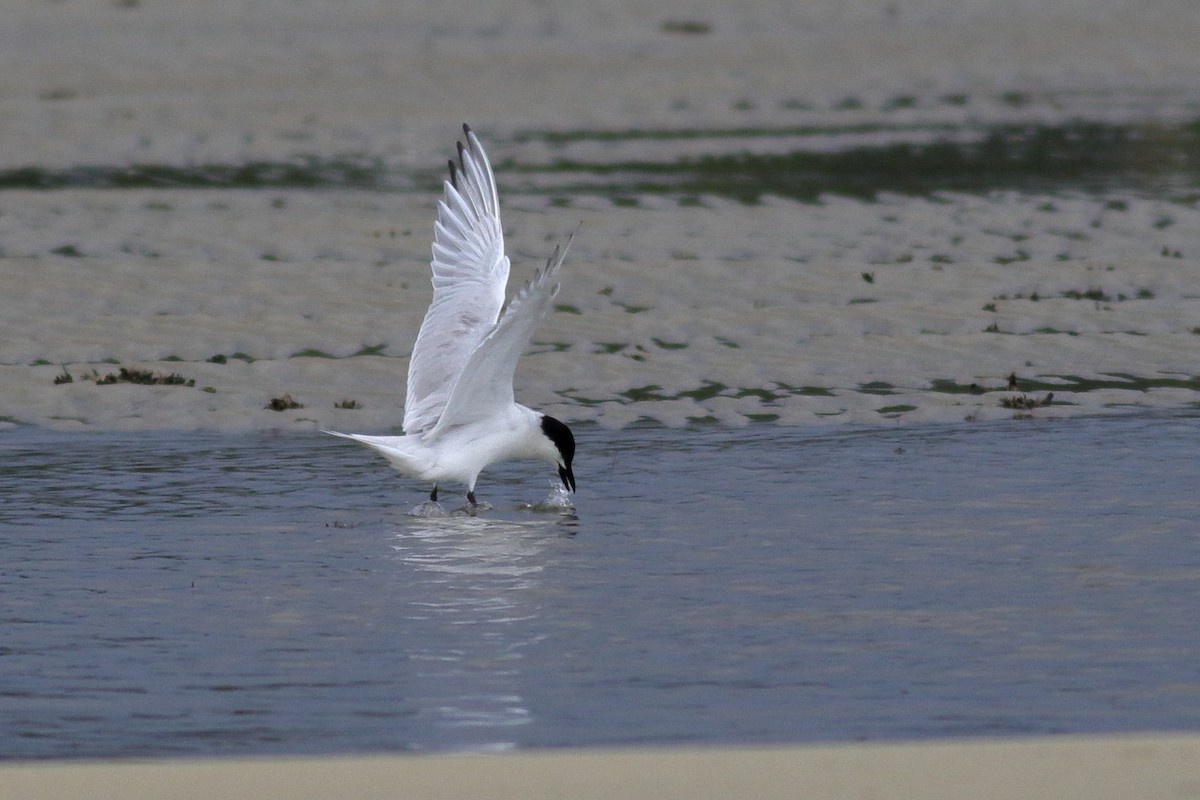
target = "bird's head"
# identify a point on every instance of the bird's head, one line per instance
(564, 443)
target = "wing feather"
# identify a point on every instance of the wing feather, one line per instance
(485, 385)
(470, 272)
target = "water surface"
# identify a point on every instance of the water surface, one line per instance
(204, 594)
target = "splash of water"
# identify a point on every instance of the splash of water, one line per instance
(558, 501)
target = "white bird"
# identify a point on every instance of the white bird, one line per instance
(460, 415)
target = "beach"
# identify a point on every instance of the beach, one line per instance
(1062, 769)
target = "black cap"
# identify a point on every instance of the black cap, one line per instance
(561, 435)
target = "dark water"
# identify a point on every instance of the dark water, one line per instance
(203, 594)
(1154, 157)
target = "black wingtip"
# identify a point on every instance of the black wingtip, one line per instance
(453, 173)
(466, 130)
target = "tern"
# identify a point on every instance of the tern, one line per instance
(459, 413)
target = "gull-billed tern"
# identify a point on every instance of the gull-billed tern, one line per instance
(460, 415)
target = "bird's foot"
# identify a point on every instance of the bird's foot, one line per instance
(474, 509)
(429, 508)
(474, 506)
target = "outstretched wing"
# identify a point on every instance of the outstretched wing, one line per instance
(486, 384)
(470, 272)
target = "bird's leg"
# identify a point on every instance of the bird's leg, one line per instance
(430, 507)
(471, 497)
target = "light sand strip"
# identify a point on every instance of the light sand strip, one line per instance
(1138, 766)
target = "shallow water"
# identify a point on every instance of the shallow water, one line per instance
(202, 594)
(840, 218)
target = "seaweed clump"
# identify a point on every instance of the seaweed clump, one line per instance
(144, 377)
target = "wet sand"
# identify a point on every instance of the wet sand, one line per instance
(138, 82)
(915, 310)
(678, 305)
(1062, 768)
